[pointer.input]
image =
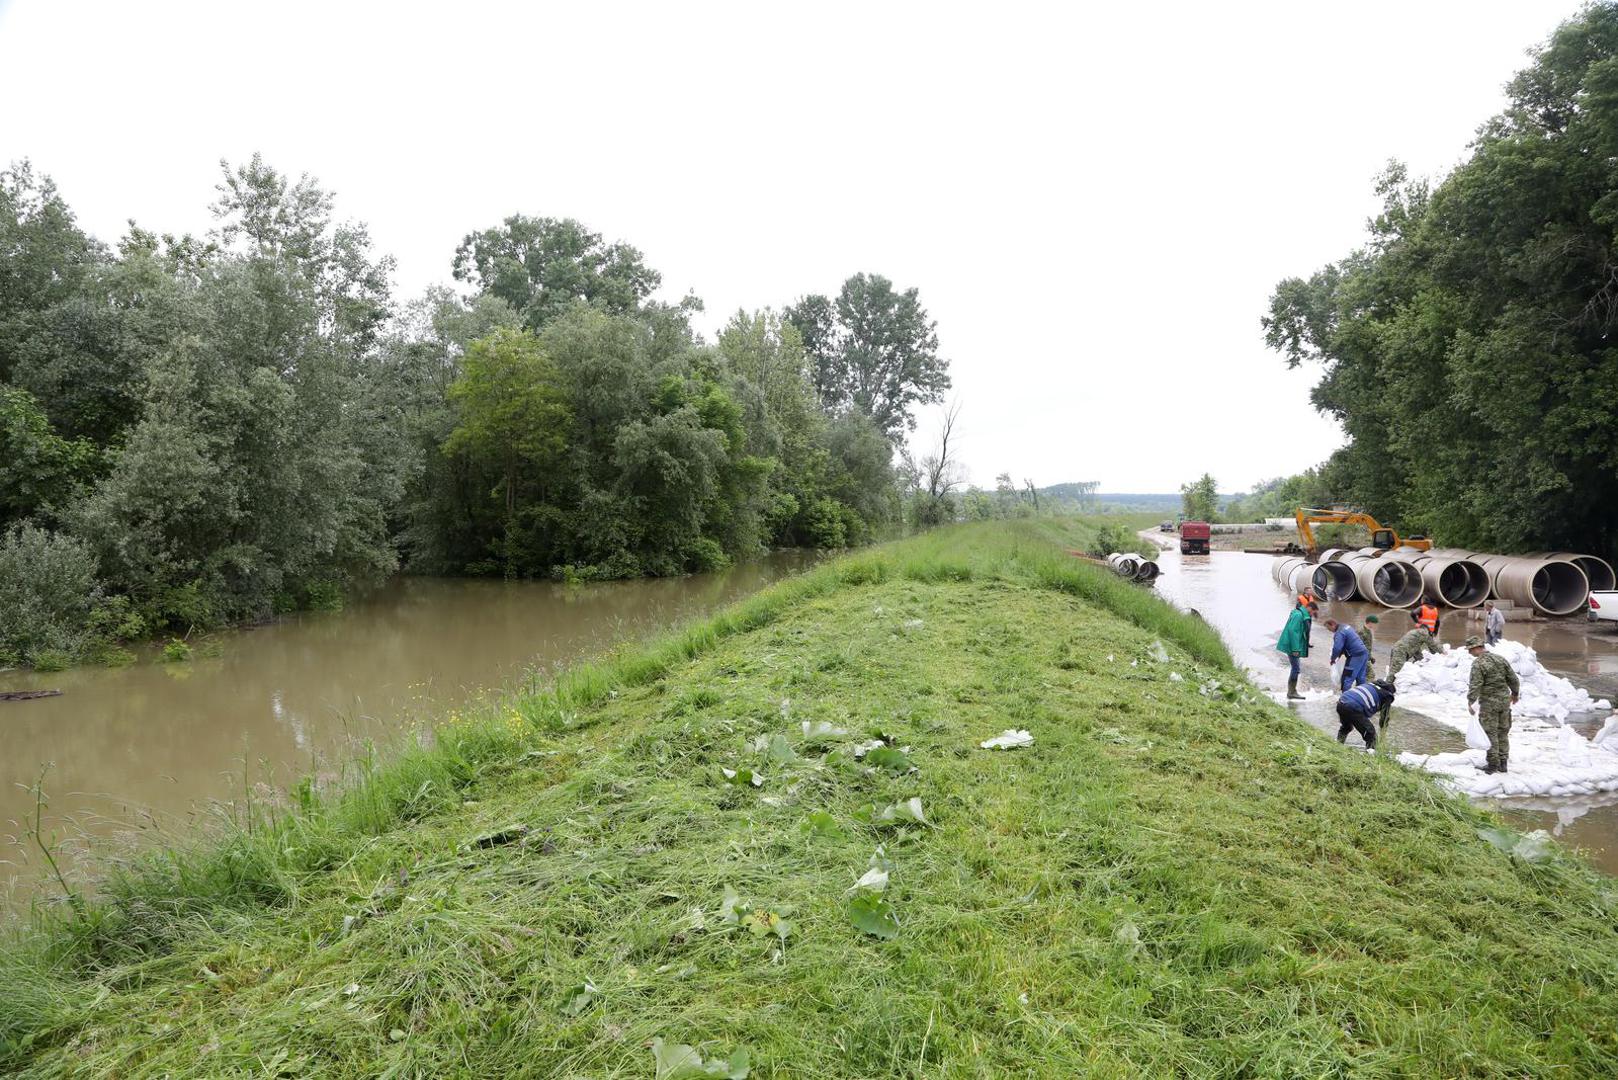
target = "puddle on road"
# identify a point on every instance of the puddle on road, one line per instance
(1235, 593)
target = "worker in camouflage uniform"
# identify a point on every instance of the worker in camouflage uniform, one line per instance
(1491, 694)
(1364, 631)
(1415, 642)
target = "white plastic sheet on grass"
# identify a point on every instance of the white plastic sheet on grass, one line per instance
(1009, 739)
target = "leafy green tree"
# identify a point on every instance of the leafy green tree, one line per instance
(44, 260)
(1466, 348)
(874, 350)
(38, 468)
(542, 266)
(1200, 498)
(513, 419)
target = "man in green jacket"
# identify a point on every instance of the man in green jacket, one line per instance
(1294, 641)
(1491, 693)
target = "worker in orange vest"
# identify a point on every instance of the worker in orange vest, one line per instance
(1426, 617)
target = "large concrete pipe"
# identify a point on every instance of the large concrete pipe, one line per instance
(1334, 580)
(1147, 571)
(1282, 569)
(1323, 581)
(1388, 581)
(1123, 563)
(1552, 586)
(1456, 583)
(1597, 569)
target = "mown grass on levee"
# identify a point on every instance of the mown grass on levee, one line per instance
(1177, 879)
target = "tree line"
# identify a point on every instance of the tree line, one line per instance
(203, 431)
(1467, 347)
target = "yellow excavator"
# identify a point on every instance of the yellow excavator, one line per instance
(1384, 538)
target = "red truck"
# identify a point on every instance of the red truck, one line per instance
(1194, 537)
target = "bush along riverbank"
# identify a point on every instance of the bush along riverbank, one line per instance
(772, 844)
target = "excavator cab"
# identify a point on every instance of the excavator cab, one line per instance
(1382, 539)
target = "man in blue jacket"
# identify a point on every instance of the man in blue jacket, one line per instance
(1348, 644)
(1356, 707)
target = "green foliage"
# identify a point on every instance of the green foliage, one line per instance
(48, 589)
(48, 659)
(543, 266)
(1199, 500)
(1114, 537)
(38, 468)
(1466, 348)
(874, 351)
(241, 425)
(176, 651)
(1281, 497)
(323, 596)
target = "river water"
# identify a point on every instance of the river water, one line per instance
(1235, 593)
(146, 749)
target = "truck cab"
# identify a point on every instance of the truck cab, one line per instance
(1194, 536)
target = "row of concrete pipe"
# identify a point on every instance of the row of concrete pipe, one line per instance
(1134, 567)
(1551, 582)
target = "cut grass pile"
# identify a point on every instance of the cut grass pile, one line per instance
(1177, 878)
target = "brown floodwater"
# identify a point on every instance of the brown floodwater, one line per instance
(1235, 593)
(128, 753)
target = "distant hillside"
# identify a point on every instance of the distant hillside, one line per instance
(1142, 502)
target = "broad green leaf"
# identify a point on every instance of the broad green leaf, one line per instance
(676, 1061)
(579, 998)
(730, 907)
(742, 777)
(873, 915)
(780, 751)
(886, 757)
(821, 823)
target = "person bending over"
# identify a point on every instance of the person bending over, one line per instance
(1356, 707)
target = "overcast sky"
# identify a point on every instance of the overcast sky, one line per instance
(1095, 202)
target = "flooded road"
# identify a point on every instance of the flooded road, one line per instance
(1235, 593)
(149, 746)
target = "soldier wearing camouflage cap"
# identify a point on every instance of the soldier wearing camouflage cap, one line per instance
(1493, 690)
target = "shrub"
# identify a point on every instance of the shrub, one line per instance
(824, 525)
(176, 651)
(324, 596)
(1111, 538)
(48, 589)
(50, 660)
(706, 554)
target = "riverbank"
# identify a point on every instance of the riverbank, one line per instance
(1175, 878)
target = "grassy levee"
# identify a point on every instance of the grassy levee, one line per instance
(1176, 879)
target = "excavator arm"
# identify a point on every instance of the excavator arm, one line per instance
(1381, 537)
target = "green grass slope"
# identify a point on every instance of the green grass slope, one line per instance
(1176, 879)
